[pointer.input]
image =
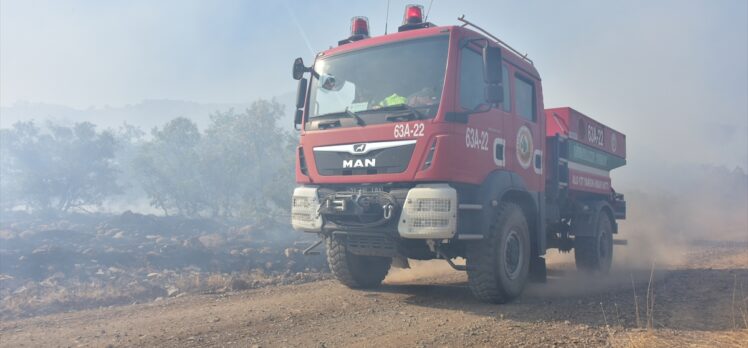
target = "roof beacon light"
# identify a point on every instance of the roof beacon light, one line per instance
(360, 26)
(413, 19)
(359, 30)
(413, 14)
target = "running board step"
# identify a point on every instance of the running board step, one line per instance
(469, 236)
(470, 206)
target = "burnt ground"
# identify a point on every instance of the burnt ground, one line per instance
(699, 300)
(79, 261)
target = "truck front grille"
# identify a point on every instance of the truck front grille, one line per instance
(382, 161)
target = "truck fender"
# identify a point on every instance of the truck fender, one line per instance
(503, 185)
(586, 214)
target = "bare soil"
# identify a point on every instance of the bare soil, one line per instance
(699, 301)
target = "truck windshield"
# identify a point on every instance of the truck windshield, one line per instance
(383, 83)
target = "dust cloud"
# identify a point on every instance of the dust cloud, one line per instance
(424, 271)
(709, 206)
(705, 208)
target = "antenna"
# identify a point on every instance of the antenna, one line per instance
(387, 17)
(428, 11)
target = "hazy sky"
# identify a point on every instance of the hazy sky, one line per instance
(671, 74)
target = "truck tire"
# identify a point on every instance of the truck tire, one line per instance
(497, 266)
(355, 271)
(594, 254)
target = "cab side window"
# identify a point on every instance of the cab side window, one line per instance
(506, 105)
(472, 86)
(524, 98)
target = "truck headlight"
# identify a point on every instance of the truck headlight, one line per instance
(429, 212)
(304, 209)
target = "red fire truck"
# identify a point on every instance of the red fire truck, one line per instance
(432, 143)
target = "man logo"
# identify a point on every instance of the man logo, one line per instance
(359, 148)
(366, 163)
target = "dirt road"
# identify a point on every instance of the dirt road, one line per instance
(698, 302)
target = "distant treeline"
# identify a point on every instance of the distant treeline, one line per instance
(241, 165)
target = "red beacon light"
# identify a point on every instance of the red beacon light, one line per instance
(359, 30)
(413, 14)
(360, 26)
(413, 18)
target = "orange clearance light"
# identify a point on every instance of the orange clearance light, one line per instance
(360, 26)
(413, 14)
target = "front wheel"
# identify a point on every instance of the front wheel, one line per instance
(594, 254)
(355, 271)
(497, 266)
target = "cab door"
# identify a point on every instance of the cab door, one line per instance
(526, 138)
(485, 133)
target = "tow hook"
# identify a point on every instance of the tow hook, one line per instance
(440, 254)
(308, 251)
(387, 209)
(337, 204)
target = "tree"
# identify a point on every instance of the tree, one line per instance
(59, 168)
(246, 161)
(168, 168)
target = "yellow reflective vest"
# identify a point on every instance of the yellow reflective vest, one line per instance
(394, 99)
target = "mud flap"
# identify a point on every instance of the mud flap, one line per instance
(538, 271)
(400, 261)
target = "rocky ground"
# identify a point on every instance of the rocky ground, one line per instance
(701, 300)
(50, 265)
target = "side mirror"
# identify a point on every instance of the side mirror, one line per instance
(298, 68)
(492, 74)
(494, 94)
(298, 118)
(492, 65)
(301, 93)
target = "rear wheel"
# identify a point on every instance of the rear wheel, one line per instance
(595, 254)
(497, 267)
(355, 271)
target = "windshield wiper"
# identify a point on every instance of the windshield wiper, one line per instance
(413, 113)
(358, 118)
(346, 112)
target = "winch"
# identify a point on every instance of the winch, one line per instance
(358, 208)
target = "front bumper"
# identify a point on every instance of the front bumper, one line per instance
(428, 211)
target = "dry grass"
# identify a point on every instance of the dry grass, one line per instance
(650, 299)
(739, 307)
(40, 299)
(636, 302)
(649, 336)
(679, 339)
